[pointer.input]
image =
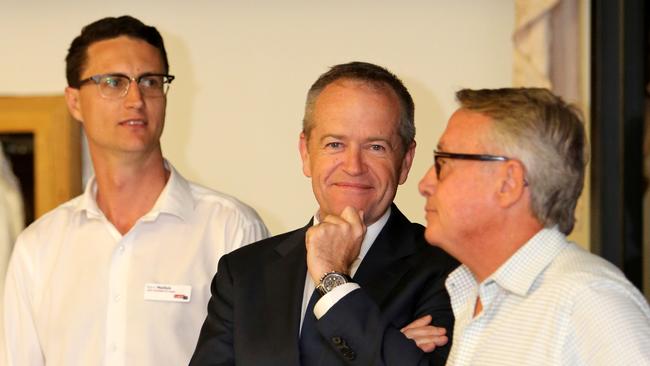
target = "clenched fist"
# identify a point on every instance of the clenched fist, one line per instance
(334, 243)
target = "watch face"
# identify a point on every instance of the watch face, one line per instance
(332, 280)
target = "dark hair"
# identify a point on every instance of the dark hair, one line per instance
(373, 75)
(108, 28)
(548, 136)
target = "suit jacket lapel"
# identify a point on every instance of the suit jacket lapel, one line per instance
(284, 281)
(385, 263)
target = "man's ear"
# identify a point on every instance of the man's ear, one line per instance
(407, 161)
(74, 105)
(304, 154)
(512, 183)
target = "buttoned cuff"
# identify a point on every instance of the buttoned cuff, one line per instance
(331, 298)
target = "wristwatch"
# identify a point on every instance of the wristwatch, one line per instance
(330, 280)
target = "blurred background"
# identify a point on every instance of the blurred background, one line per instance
(243, 69)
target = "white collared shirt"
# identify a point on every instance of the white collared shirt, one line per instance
(332, 297)
(76, 294)
(551, 303)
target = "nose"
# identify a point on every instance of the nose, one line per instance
(133, 97)
(428, 183)
(354, 164)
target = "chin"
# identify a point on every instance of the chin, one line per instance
(431, 235)
(359, 205)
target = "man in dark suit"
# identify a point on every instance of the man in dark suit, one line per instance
(343, 289)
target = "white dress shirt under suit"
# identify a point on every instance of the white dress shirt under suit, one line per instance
(551, 303)
(79, 293)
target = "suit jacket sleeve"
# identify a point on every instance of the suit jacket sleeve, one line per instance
(215, 344)
(362, 334)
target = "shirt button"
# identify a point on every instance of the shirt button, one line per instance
(113, 347)
(117, 298)
(122, 248)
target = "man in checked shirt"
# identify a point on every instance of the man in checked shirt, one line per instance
(501, 198)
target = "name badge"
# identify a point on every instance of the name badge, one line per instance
(170, 293)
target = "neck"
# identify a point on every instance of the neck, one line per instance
(495, 248)
(128, 188)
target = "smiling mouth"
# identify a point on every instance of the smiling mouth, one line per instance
(133, 122)
(355, 186)
(430, 210)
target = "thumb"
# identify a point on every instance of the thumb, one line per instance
(351, 215)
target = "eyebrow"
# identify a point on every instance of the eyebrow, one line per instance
(148, 73)
(387, 141)
(331, 136)
(369, 139)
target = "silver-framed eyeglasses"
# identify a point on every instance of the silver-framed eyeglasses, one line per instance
(114, 86)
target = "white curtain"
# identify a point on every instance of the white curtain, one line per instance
(547, 46)
(547, 53)
(11, 224)
(11, 210)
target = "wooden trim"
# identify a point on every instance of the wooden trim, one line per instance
(57, 146)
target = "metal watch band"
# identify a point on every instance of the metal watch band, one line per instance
(330, 280)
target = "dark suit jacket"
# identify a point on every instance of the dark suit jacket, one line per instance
(254, 313)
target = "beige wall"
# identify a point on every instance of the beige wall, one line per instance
(243, 69)
(582, 231)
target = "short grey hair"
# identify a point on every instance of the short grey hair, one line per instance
(548, 136)
(374, 76)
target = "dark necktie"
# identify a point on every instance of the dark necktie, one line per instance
(310, 340)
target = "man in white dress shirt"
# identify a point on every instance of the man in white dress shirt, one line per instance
(120, 275)
(501, 197)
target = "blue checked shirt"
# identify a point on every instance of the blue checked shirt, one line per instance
(551, 303)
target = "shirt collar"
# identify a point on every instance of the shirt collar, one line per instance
(520, 271)
(175, 199)
(516, 275)
(372, 232)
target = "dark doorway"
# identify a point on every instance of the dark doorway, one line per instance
(619, 76)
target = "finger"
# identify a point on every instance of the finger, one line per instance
(332, 219)
(427, 332)
(427, 347)
(439, 341)
(355, 219)
(312, 233)
(324, 228)
(419, 322)
(363, 223)
(351, 215)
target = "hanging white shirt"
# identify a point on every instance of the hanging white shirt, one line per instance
(11, 222)
(79, 293)
(11, 213)
(551, 303)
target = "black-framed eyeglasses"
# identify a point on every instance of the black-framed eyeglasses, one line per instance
(437, 155)
(113, 86)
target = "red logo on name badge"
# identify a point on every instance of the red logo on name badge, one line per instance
(180, 296)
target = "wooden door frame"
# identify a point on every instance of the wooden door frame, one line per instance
(57, 146)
